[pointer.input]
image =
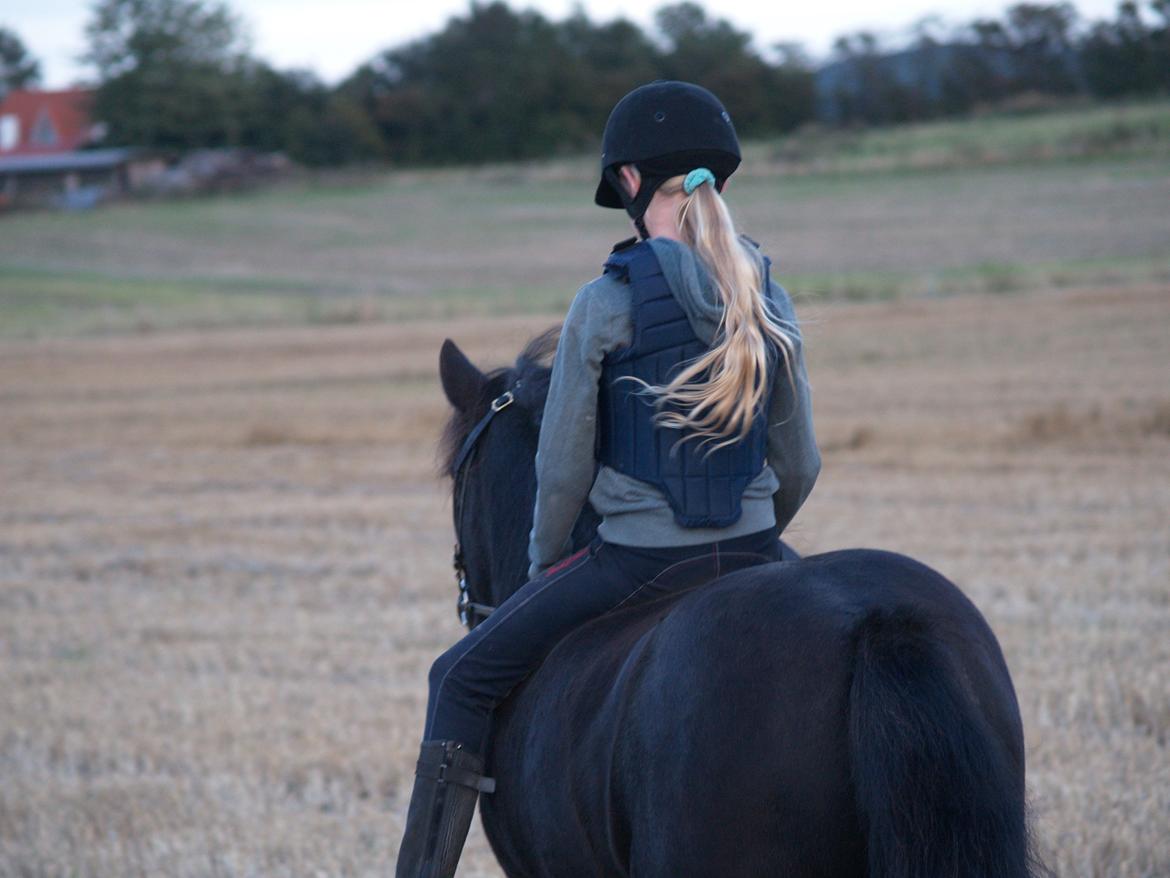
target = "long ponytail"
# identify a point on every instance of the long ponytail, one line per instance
(716, 396)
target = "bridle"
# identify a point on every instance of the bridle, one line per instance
(471, 613)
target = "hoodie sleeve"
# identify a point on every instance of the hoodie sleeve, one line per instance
(565, 465)
(792, 444)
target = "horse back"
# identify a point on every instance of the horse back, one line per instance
(707, 733)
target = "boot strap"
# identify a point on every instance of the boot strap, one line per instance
(444, 773)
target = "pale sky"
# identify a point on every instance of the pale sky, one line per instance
(333, 37)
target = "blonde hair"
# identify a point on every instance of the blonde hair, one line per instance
(716, 396)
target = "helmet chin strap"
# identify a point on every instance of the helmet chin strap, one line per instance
(636, 207)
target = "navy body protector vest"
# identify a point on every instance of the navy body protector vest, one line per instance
(704, 488)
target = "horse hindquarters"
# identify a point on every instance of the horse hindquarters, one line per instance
(786, 720)
(937, 788)
(734, 757)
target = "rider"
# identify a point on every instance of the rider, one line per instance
(678, 406)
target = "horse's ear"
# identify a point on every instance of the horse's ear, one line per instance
(462, 382)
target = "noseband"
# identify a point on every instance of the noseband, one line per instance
(471, 613)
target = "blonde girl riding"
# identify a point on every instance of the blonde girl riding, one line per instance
(678, 406)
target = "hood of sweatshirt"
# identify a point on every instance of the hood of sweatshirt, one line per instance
(692, 286)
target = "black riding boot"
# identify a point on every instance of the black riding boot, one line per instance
(447, 782)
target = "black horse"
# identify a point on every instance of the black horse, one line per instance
(841, 716)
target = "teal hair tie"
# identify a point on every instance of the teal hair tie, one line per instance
(697, 178)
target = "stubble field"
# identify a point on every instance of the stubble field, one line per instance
(225, 553)
(224, 568)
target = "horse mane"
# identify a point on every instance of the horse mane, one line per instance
(529, 380)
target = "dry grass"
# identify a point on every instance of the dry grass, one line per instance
(224, 568)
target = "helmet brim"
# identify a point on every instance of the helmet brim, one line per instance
(606, 195)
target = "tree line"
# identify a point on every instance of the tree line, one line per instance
(1036, 49)
(497, 84)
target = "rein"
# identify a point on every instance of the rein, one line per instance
(471, 613)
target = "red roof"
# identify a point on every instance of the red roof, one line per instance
(43, 122)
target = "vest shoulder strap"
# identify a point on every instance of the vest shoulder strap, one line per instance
(623, 244)
(633, 262)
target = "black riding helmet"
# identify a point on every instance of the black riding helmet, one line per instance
(665, 128)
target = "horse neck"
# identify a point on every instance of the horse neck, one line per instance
(508, 485)
(505, 495)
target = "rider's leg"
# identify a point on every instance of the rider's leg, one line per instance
(477, 673)
(469, 680)
(472, 677)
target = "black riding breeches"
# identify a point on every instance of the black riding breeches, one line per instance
(470, 679)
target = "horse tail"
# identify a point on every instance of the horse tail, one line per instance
(936, 789)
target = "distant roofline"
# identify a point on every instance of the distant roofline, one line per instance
(78, 160)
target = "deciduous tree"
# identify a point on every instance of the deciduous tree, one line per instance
(18, 69)
(173, 73)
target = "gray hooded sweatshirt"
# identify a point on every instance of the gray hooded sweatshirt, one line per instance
(633, 512)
